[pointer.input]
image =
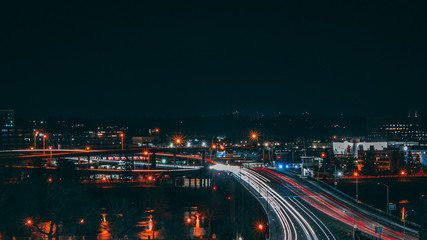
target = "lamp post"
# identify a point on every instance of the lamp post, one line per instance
(156, 130)
(122, 136)
(254, 137)
(50, 157)
(357, 185)
(404, 223)
(388, 198)
(354, 225)
(35, 139)
(44, 143)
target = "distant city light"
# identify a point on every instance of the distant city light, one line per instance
(280, 166)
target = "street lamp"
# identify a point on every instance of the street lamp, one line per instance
(122, 136)
(156, 130)
(356, 174)
(354, 225)
(29, 222)
(44, 143)
(50, 157)
(404, 223)
(178, 141)
(388, 197)
(254, 136)
(35, 139)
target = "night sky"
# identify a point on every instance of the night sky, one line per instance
(136, 58)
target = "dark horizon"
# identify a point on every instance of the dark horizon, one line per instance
(99, 59)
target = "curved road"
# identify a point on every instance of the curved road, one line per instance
(293, 219)
(310, 196)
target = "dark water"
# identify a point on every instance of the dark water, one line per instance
(117, 210)
(404, 192)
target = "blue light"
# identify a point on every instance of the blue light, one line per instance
(280, 166)
(287, 166)
(296, 166)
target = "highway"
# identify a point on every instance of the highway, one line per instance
(289, 219)
(316, 198)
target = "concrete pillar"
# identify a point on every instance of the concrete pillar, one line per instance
(204, 159)
(133, 161)
(153, 161)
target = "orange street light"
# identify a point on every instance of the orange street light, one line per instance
(150, 178)
(156, 130)
(356, 174)
(82, 221)
(323, 155)
(104, 179)
(122, 136)
(49, 179)
(35, 138)
(188, 220)
(213, 146)
(31, 148)
(402, 172)
(87, 148)
(260, 227)
(44, 142)
(28, 222)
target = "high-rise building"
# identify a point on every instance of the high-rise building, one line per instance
(397, 129)
(12, 137)
(7, 118)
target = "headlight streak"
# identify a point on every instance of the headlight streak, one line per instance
(290, 217)
(332, 207)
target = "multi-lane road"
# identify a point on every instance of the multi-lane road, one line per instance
(335, 207)
(289, 218)
(300, 208)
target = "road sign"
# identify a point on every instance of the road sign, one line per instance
(378, 229)
(392, 207)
